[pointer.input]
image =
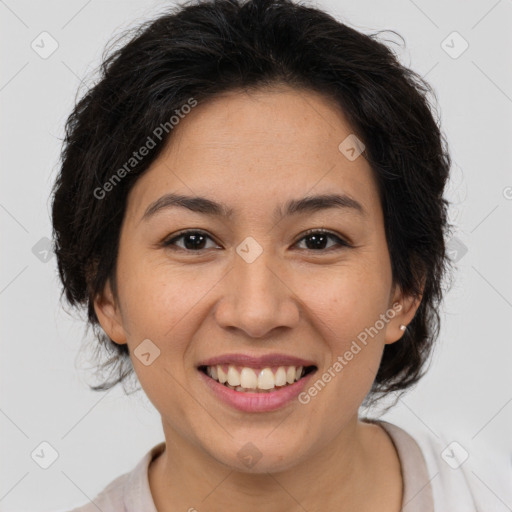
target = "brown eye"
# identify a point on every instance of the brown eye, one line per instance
(317, 240)
(192, 241)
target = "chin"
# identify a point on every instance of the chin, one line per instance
(258, 454)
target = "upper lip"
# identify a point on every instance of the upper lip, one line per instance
(251, 361)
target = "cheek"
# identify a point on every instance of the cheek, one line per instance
(161, 302)
(348, 300)
(348, 308)
(345, 311)
(158, 303)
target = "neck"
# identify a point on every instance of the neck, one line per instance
(348, 470)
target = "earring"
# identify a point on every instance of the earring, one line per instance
(403, 327)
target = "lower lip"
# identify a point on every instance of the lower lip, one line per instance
(256, 402)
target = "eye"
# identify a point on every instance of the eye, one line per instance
(193, 241)
(318, 238)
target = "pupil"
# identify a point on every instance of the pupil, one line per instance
(197, 240)
(318, 241)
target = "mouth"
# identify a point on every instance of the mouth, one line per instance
(247, 379)
(256, 384)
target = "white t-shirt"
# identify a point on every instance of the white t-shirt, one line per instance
(437, 477)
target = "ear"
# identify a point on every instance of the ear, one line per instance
(405, 307)
(109, 315)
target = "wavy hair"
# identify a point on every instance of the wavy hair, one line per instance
(206, 47)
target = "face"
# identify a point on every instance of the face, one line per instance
(256, 284)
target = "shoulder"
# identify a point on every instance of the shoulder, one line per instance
(465, 476)
(129, 491)
(110, 499)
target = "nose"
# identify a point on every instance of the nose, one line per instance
(258, 297)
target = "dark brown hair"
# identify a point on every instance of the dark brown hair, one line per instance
(203, 48)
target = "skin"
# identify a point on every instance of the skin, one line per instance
(253, 152)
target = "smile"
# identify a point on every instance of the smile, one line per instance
(256, 383)
(256, 380)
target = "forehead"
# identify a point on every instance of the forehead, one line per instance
(248, 149)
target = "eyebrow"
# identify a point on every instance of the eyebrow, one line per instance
(205, 206)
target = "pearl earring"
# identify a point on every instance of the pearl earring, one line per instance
(403, 327)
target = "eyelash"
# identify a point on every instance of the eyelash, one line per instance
(169, 243)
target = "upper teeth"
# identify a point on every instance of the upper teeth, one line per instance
(250, 378)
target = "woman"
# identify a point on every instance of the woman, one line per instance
(250, 207)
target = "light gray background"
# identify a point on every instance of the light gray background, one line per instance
(467, 394)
